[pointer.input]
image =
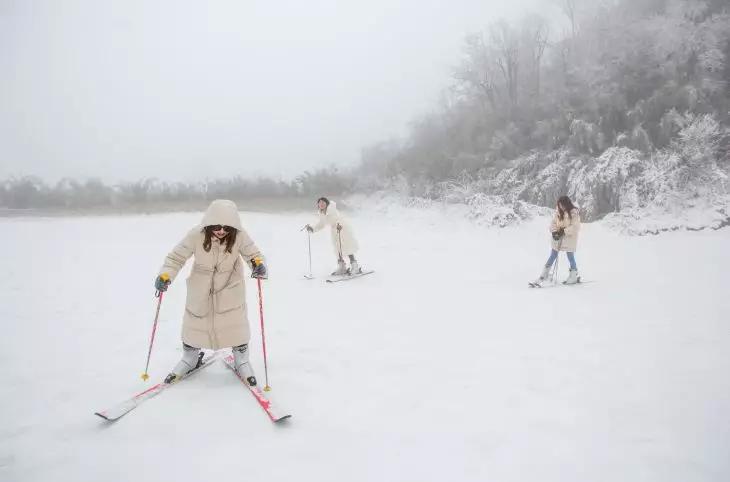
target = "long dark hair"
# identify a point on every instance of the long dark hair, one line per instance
(326, 201)
(564, 202)
(229, 239)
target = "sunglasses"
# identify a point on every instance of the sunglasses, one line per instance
(218, 227)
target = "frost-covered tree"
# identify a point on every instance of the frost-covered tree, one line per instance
(614, 76)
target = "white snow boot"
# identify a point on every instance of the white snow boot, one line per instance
(192, 358)
(243, 367)
(544, 276)
(573, 278)
(341, 269)
(355, 268)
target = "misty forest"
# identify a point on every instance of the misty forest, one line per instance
(624, 105)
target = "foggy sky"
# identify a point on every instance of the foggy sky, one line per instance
(185, 90)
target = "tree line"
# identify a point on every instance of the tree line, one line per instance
(32, 192)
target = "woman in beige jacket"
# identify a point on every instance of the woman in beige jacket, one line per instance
(343, 238)
(215, 308)
(564, 229)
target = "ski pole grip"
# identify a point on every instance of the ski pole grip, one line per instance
(165, 278)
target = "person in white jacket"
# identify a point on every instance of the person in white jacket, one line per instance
(343, 238)
(564, 230)
(215, 308)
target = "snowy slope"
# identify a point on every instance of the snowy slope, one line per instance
(441, 366)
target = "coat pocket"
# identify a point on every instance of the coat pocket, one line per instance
(231, 297)
(198, 299)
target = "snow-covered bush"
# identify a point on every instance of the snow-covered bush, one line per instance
(698, 140)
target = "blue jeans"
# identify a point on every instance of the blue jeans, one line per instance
(554, 256)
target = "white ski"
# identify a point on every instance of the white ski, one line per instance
(550, 284)
(348, 277)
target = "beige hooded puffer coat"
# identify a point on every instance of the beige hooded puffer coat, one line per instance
(571, 224)
(332, 218)
(215, 308)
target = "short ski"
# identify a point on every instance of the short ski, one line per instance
(347, 277)
(121, 409)
(273, 412)
(534, 284)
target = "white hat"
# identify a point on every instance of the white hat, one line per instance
(223, 212)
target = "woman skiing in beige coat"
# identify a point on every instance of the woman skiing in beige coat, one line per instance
(564, 230)
(215, 307)
(343, 239)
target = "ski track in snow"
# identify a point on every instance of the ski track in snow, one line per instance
(443, 365)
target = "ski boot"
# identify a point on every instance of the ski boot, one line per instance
(243, 367)
(354, 268)
(573, 278)
(544, 276)
(341, 269)
(192, 358)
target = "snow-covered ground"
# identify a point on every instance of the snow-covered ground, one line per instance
(442, 365)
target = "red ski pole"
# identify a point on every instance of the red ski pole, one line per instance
(145, 375)
(263, 336)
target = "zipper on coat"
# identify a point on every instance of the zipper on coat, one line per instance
(214, 338)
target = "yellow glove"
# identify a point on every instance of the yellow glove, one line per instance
(258, 268)
(162, 282)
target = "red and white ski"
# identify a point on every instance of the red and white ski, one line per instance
(118, 411)
(273, 412)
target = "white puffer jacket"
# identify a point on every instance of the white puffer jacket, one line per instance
(343, 242)
(571, 225)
